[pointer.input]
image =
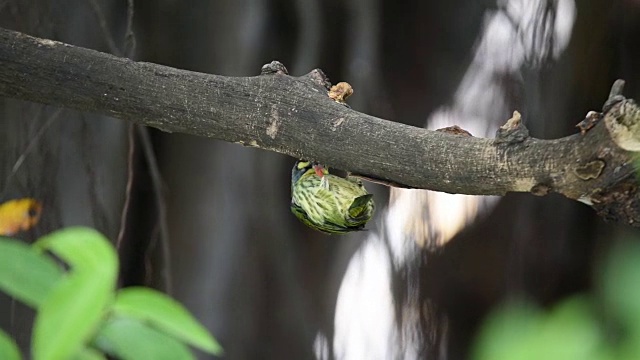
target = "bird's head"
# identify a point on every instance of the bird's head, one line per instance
(302, 166)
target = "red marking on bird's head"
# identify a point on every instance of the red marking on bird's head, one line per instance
(319, 170)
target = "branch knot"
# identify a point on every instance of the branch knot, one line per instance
(340, 92)
(513, 131)
(590, 170)
(274, 67)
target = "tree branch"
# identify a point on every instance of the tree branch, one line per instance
(295, 116)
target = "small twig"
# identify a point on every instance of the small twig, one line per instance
(102, 22)
(32, 143)
(617, 88)
(615, 95)
(127, 199)
(156, 181)
(129, 36)
(35, 140)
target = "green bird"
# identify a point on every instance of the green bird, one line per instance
(326, 202)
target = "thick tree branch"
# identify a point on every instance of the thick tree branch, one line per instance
(295, 116)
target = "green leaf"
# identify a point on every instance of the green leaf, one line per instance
(571, 331)
(129, 339)
(84, 249)
(25, 274)
(510, 333)
(620, 284)
(522, 332)
(70, 314)
(89, 354)
(8, 348)
(165, 314)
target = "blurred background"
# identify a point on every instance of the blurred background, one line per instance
(209, 222)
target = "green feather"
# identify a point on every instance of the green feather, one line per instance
(329, 203)
(359, 206)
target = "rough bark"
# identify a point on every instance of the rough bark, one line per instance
(295, 116)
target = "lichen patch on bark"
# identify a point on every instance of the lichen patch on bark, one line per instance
(274, 123)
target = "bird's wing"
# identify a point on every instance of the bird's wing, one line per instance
(298, 211)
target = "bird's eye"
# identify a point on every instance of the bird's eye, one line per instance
(33, 211)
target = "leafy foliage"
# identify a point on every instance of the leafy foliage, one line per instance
(25, 274)
(577, 328)
(164, 313)
(78, 302)
(8, 348)
(79, 312)
(131, 339)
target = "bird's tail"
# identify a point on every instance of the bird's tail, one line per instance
(358, 209)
